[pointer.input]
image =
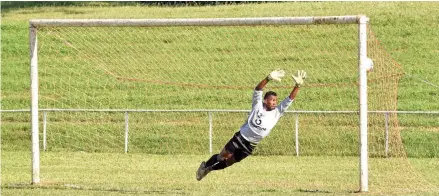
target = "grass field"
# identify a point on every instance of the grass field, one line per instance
(174, 175)
(166, 149)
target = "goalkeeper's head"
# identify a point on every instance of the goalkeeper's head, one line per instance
(270, 100)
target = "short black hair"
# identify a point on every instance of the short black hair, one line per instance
(269, 93)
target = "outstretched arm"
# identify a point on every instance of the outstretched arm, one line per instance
(262, 84)
(274, 75)
(299, 79)
(294, 92)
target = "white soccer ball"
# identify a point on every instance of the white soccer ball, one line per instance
(368, 64)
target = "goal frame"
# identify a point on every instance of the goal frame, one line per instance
(361, 20)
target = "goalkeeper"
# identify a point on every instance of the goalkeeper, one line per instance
(262, 118)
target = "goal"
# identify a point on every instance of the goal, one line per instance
(92, 80)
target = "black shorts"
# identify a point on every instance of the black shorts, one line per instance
(239, 147)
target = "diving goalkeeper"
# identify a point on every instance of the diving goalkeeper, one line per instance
(262, 118)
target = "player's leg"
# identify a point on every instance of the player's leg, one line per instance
(244, 149)
(217, 161)
(221, 160)
(231, 159)
(225, 153)
(233, 153)
(216, 158)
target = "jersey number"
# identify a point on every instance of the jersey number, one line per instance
(258, 121)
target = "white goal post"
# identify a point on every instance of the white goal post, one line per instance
(361, 20)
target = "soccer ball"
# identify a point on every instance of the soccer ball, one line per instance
(368, 64)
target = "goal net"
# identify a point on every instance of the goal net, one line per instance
(170, 89)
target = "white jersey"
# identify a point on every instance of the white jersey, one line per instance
(260, 122)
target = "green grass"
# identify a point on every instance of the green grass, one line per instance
(188, 133)
(117, 173)
(405, 30)
(166, 148)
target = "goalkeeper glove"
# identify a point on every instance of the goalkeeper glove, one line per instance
(277, 75)
(299, 79)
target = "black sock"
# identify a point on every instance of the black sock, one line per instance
(220, 165)
(212, 160)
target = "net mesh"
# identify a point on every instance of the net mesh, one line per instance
(216, 68)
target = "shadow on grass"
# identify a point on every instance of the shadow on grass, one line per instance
(60, 186)
(7, 6)
(323, 191)
(312, 191)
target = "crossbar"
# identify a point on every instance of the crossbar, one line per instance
(196, 21)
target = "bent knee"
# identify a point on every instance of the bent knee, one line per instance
(224, 155)
(231, 161)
